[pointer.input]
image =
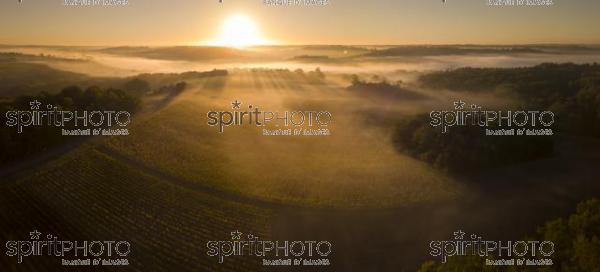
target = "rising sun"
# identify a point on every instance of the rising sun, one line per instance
(238, 31)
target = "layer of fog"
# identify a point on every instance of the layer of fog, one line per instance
(93, 62)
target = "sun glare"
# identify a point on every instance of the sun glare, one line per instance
(238, 31)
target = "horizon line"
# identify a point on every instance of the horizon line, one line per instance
(311, 44)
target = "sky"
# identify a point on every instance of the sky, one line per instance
(352, 22)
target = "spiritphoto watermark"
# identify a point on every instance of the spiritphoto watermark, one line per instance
(273, 123)
(71, 122)
(495, 122)
(495, 252)
(71, 253)
(272, 253)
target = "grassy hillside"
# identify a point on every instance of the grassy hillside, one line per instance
(356, 166)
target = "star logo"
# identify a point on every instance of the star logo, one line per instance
(35, 235)
(459, 105)
(236, 235)
(35, 105)
(236, 104)
(458, 235)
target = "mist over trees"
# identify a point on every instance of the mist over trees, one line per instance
(571, 91)
(380, 87)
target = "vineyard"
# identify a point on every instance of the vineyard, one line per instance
(175, 183)
(89, 195)
(356, 166)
